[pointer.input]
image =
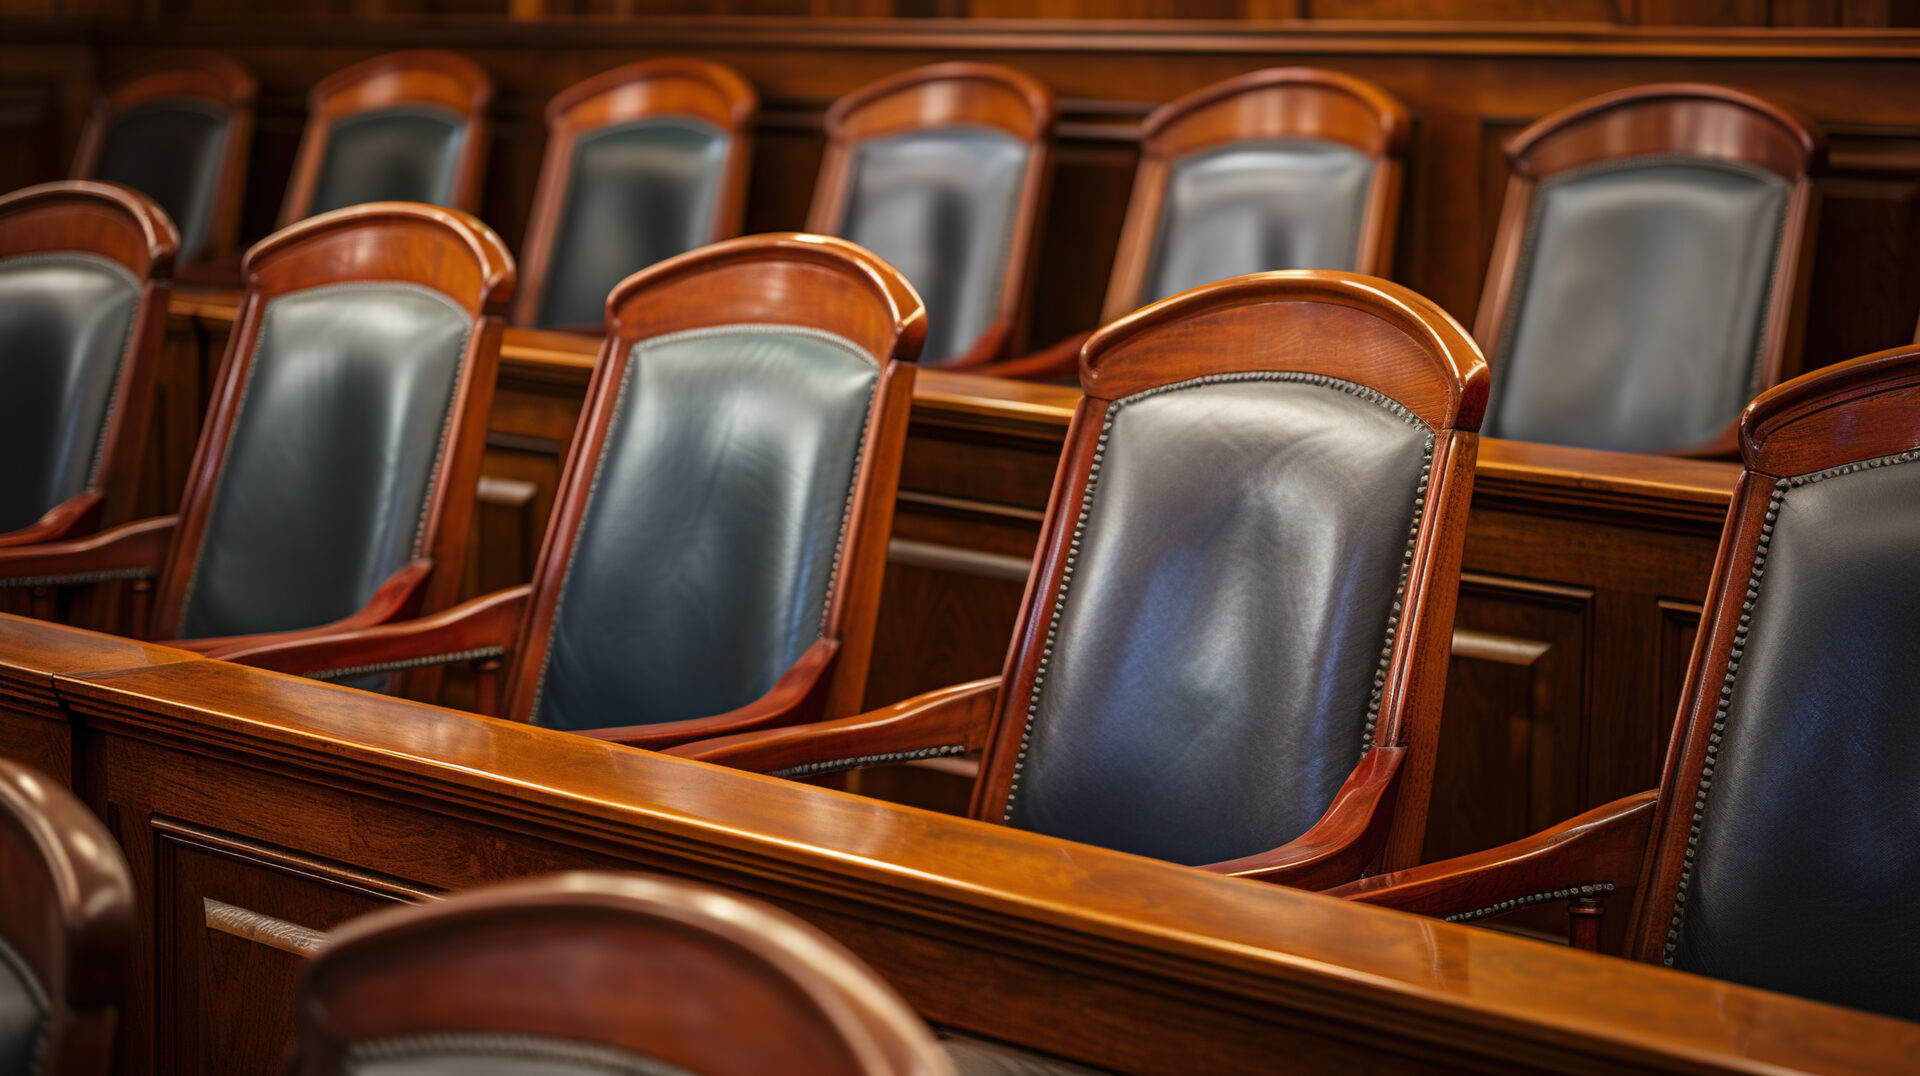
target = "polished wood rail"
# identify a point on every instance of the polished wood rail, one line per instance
(258, 809)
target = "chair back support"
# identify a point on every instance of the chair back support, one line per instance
(66, 929)
(730, 487)
(84, 280)
(1248, 569)
(615, 974)
(179, 133)
(404, 127)
(643, 162)
(1649, 269)
(1784, 843)
(345, 435)
(941, 171)
(1287, 168)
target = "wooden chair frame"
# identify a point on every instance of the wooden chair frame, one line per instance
(1857, 410)
(419, 77)
(1689, 119)
(445, 250)
(126, 227)
(782, 278)
(1359, 329)
(210, 79)
(941, 95)
(637, 91)
(1278, 102)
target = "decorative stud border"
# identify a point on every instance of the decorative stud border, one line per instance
(524, 1047)
(1597, 889)
(808, 769)
(403, 664)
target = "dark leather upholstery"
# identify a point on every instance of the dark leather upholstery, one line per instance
(1251, 207)
(461, 1054)
(64, 322)
(1639, 306)
(974, 1058)
(324, 488)
(1807, 862)
(941, 205)
(390, 155)
(701, 570)
(171, 152)
(639, 193)
(23, 1011)
(1208, 688)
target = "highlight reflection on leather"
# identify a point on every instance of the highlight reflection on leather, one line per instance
(64, 322)
(639, 193)
(1640, 306)
(169, 151)
(23, 1007)
(1207, 690)
(390, 155)
(701, 570)
(1251, 207)
(1806, 866)
(941, 206)
(324, 488)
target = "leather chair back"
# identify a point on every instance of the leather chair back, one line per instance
(405, 127)
(941, 171)
(84, 279)
(643, 162)
(1649, 270)
(610, 974)
(179, 133)
(66, 929)
(1287, 168)
(1248, 571)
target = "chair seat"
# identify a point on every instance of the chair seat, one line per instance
(971, 1057)
(499, 1055)
(23, 1011)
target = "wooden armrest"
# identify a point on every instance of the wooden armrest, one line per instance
(398, 597)
(796, 698)
(1061, 362)
(950, 721)
(79, 513)
(1343, 841)
(986, 348)
(131, 551)
(471, 631)
(1593, 853)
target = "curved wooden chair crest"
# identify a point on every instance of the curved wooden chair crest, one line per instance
(642, 163)
(943, 171)
(1650, 269)
(66, 930)
(714, 558)
(1236, 633)
(335, 474)
(1286, 168)
(178, 132)
(1778, 850)
(85, 272)
(404, 127)
(587, 973)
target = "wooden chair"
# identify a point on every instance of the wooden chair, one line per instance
(404, 127)
(66, 930)
(1286, 168)
(1650, 269)
(643, 162)
(942, 171)
(1779, 849)
(717, 543)
(84, 278)
(335, 474)
(1247, 668)
(600, 973)
(178, 132)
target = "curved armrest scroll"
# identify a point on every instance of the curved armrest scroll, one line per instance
(398, 597)
(986, 348)
(1346, 838)
(79, 513)
(1061, 362)
(131, 551)
(795, 699)
(474, 630)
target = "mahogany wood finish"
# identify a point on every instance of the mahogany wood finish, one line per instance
(785, 279)
(1686, 119)
(1356, 328)
(66, 914)
(752, 988)
(125, 227)
(940, 95)
(637, 91)
(205, 78)
(416, 77)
